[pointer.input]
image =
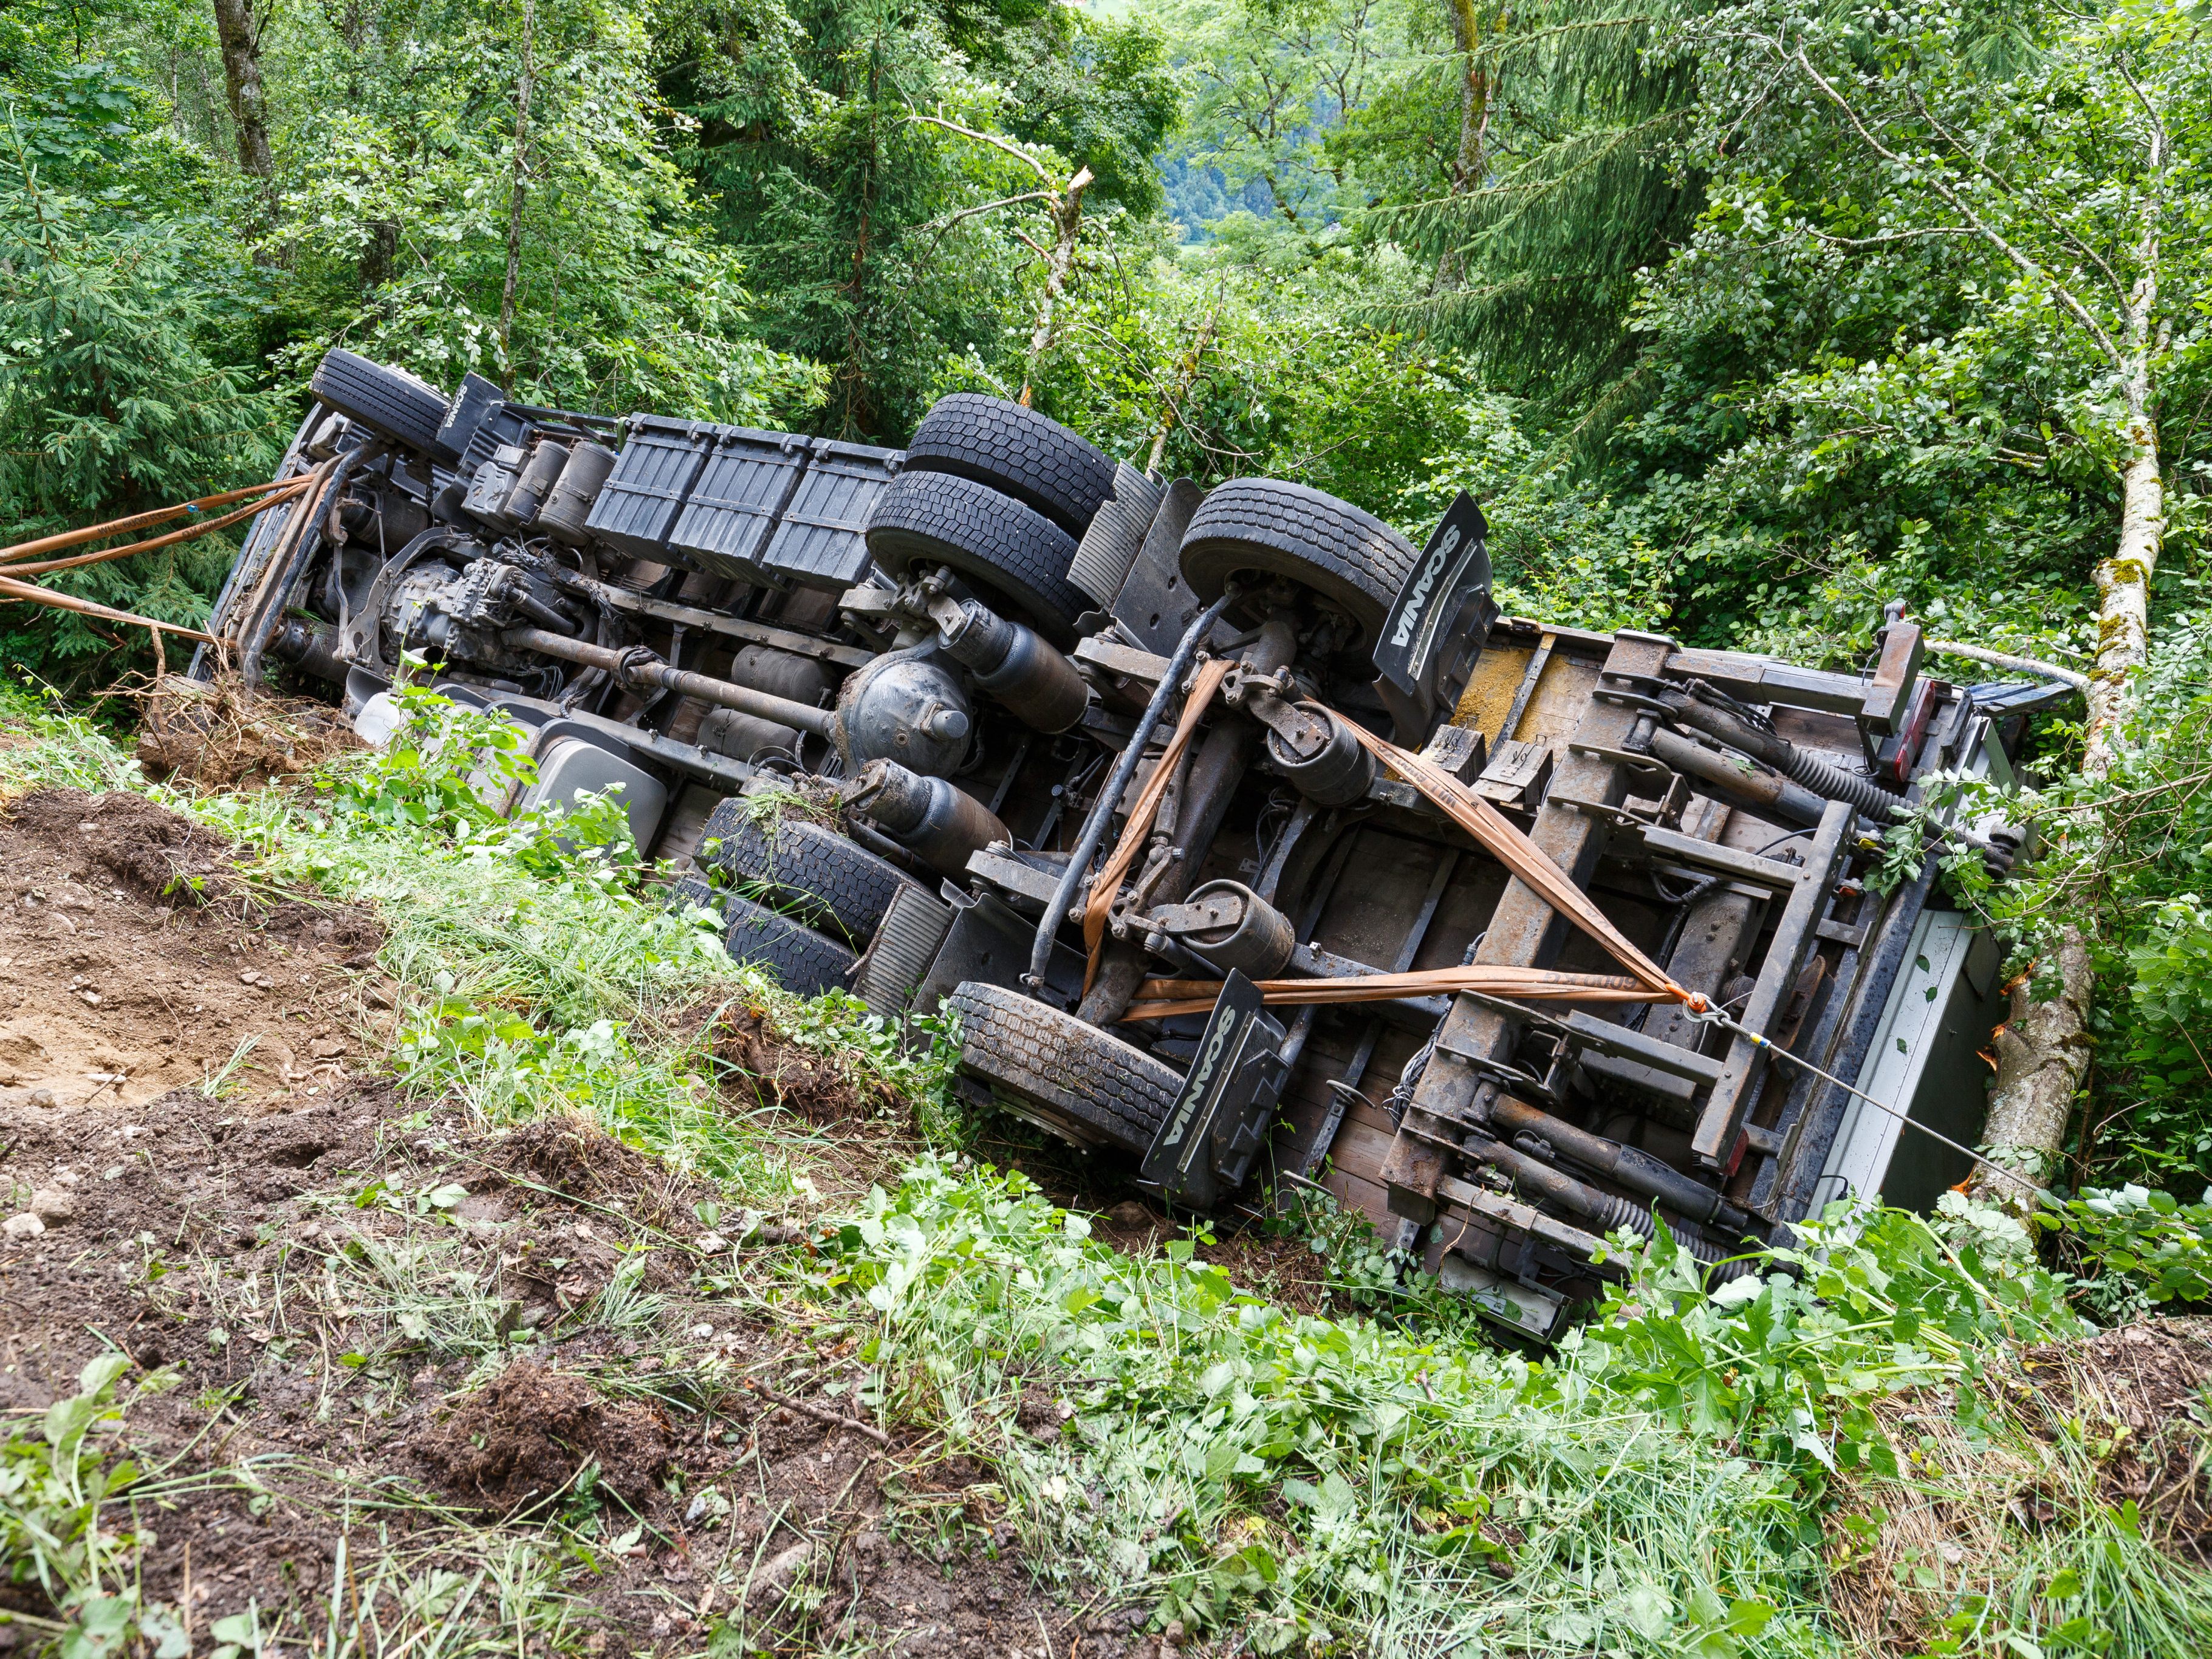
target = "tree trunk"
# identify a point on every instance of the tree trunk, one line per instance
(1466, 163)
(2042, 1048)
(518, 194)
(2124, 593)
(1463, 173)
(1169, 410)
(241, 75)
(2042, 1051)
(373, 265)
(1059, 266)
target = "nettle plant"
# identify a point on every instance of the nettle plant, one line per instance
(461, 773)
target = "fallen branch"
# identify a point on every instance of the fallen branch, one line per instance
(2049, 671)
(819, 1414)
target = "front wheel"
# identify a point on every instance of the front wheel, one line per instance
(389, 401)
(1059, 1073)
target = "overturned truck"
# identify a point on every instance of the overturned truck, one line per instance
(1249, 844)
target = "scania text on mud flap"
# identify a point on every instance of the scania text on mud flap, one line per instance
(1436, 629)
(1219, 1120)
(1253, 850)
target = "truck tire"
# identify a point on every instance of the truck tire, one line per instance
(389, 401)
(688, 890)
(1351, 558)
(797, 957)
(1060, 1073)
(805, 870)
(1017, 452)
(1015, 559)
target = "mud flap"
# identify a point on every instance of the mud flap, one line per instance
(1206, 1142)
(1437, 626)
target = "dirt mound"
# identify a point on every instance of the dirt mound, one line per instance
(221, 736)
(528, 1438)
(576, 1158)
(274, 1259)
(2141, 1390)
(797, 1078)
(2082, 1428)
(160, 855)
(133, 961)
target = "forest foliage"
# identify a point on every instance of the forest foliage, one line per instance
(1673, 287)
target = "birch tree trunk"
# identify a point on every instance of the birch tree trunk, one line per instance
(2042, 1048)
(1059, 267)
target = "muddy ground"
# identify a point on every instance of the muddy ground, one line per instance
(320, 1283)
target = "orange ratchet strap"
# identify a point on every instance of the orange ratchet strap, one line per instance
(1163, 998)
(1107, 887)
(1498, 834)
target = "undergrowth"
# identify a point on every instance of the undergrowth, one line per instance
(1386, 1485)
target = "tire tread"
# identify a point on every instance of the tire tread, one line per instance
(1067, 1069)
(939, 518)
(1019, 452)
(383, 399)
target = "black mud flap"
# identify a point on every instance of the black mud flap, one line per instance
(1437, 626)
(1206, 1142)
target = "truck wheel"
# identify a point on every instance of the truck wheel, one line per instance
(1019, 452)
(687, 891)
(389, 401)
(804, 871)
(797, 957)
(1017, 560)
(1265, 526)
(1059, 1073)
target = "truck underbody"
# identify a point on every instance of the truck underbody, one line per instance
(1101, 750)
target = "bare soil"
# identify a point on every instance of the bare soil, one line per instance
(133, 961)
(219, 1214)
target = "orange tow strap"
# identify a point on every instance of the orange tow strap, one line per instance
(1502, 839)
(13, 588)
(92, 533)
(1163, 998)
(1107, 887)
(1498, 834)
(293, 489)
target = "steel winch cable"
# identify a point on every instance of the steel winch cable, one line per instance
(1726, 1022)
